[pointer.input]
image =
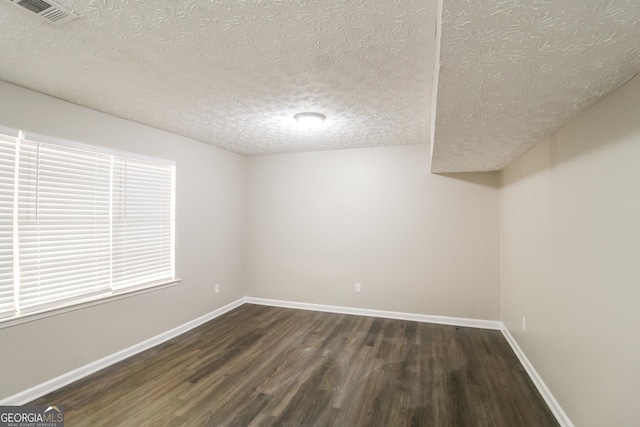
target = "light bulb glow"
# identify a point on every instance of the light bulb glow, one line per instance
(309, 121)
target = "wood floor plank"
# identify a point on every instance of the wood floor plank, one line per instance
(267, 366)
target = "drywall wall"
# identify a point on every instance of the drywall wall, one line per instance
(419, 243)
(209, 237)
(570, 246)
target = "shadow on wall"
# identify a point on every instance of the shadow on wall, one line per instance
(486, 179)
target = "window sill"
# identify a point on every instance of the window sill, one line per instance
(88, 302)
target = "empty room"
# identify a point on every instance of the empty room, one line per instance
(319, 213)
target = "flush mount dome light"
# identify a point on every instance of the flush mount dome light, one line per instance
(309, 120)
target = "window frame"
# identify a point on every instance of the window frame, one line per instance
(112, 294)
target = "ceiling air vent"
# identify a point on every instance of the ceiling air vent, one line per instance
(48, 11)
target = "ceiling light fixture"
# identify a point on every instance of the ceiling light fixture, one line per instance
(308, 120)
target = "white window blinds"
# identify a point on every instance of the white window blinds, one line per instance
(142, 237)
(7, 175)
(63, 223)
(78, 222)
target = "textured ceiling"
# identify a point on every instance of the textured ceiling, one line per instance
(512, 72)
(233, 73)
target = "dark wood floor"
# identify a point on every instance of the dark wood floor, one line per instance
(263, 366)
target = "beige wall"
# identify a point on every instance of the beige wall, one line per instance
(209, 235)
(420, 243)
(571, 260)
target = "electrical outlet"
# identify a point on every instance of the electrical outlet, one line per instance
(524, 323)
(217, 288)
(358, 287)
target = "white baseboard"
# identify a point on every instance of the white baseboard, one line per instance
(553, 404)
(54, 384)
(551, 401)
(77, 374)
(425, 318)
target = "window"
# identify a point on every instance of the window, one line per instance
(77, 222)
